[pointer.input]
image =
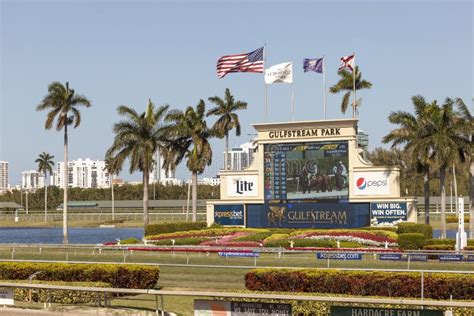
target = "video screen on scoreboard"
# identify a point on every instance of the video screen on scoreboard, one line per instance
(316, 170)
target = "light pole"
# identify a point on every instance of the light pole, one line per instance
(26, 202)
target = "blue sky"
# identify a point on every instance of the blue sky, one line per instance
(126, 52)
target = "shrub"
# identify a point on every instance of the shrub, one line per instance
(286, 243)
(117, 275)
(58, 296)
(254, 236)
(350, 244)
(276, 236)
(424, 229)
(130, 241)
(365, 283)
(438, 247)
(449, 242)
(393, 229)
(411, 241)
(454, 218)
(314, 243)
(165, 228)
(180, 241)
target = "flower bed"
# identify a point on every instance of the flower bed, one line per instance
(362, 237)
(251, 237)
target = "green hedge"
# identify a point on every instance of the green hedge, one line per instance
(58, 296)
(390, 229)
(454, 218)
(424, 229)
(179, 241)
(130, 241)
(362, 283)
(117, 275)
(254, 236)
(438, 247)
(449, 242)
(320, 243)
(411, 241)
(166, 228)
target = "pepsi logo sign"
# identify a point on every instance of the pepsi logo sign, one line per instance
(371, 183)
(361, 183)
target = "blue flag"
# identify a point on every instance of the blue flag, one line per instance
(313, 64)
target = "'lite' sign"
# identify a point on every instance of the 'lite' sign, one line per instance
(242, 186)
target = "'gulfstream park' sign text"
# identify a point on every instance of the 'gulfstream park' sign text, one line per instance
(298, 133)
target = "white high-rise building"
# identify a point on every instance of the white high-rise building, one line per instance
(3, 176)
(241, 157)
(82, 173)
(32, 180)
(161, 175)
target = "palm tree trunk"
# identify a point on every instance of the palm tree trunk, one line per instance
(194, 195)
(113, 200)
(226, 158)
(145, 198)
(442, 180)
(426, 192)
(471, 198)
(45, 198)
(65, 230)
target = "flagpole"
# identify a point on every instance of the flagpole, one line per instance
(324, 89)
(264, 84)
(354, 87)
(292, 103)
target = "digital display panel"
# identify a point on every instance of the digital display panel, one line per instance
(306, 171)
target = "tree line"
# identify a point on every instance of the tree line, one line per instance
(123, 192)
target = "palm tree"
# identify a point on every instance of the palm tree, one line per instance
(45, 165)
(346, 83)
(112, 169)
(137, 138)
(227, 120)
(411, 132)
(447, 139)
(62, 102)
(189, 138)
(468, 154)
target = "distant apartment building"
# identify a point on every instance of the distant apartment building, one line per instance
(82, 173)
(3, 176)
(214, 181)
(207, 181)
(162, 175)
(32, 180)
(241, 157)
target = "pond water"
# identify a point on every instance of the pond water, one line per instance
(32, 235)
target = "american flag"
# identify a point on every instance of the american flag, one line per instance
(250, 62)
(347, 62)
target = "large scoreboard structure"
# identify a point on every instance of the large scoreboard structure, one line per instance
(310, 174)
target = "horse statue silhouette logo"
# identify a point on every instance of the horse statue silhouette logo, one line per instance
(276, 215)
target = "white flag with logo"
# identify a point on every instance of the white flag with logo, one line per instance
(279, 73)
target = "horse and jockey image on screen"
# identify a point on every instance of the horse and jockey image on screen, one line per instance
(316, 170)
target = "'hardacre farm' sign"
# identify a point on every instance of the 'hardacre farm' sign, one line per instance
(366, 311)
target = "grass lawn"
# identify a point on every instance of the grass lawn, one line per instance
(306, 260)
